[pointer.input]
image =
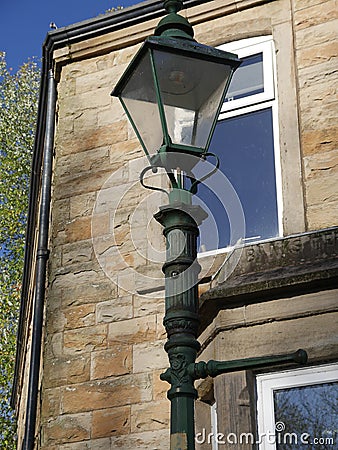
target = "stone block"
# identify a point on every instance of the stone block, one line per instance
(316, 14)
(254, 314)
(95, 395)
(111, 193)
(158, 440)
(100, 444)
(131, 149)
(102, 79)
(83, 445)
(67, 428)
(85, 339)
(100, 224)
(86, 119)
(322, 189)
(90, 138)
(150, 416)
(55, 320)
(60, 214)
(78, 252)
(318, 54)
(140, 329)
(86, 286)
(314, 95)
(53, 345)
(320, 140)
(87, 161)
(51, 405)
(160, 388)
(322, 215)
(116, 309)
(317, 74)
(111, 113)
(316, 34)
(317, 337)
(125, 55)
(115, 361)
(323, 163)
(63, 370)
(83, 183)
(145, 305)
(66, 87)
(111, 422)
(78, 229)
(160, 330)
(149, 356)
(82, 205)
(294, 307)
(80, 316)
(304, 4)
(75, 104)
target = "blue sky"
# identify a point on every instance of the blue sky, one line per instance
(24, 24)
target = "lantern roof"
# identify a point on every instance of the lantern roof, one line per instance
(178, 46)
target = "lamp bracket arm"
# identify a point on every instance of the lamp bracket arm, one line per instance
(213, 368)
(193, 187)
(172, 179)
(148, 186)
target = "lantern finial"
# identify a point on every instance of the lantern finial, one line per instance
(172, 6)
(174, 25)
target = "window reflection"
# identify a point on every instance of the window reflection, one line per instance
(245, 148)
(307, 409)
(248, 78)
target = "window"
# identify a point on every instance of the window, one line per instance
(246, 142)
(298, 409)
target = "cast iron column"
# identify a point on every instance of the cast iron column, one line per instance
(181, 269)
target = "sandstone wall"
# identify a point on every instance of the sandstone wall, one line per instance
(104, 342)
(316, 25)
(104, 336)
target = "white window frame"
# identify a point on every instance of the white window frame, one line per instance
(268, 383)
(248, 47)
(256, 102)
(214, 426)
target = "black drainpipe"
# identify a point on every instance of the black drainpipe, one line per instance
(40, 271)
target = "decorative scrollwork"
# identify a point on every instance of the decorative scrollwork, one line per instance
(184, 325)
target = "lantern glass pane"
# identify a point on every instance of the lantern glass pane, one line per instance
(191, 91)
(139, 98)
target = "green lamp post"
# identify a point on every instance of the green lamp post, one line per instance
(172, 93)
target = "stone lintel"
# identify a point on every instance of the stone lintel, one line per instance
(278, 268)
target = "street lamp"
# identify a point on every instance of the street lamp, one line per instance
(173, 90)
(172, 93)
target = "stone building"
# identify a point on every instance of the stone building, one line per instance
(268, 285)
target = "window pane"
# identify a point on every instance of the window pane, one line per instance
(244, 145)
(248, 78)
(307, 409)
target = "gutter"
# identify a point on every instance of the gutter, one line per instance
(43, 151)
